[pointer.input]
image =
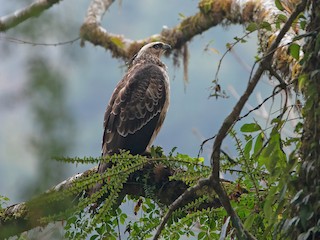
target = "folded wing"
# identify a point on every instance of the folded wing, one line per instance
(136, 110)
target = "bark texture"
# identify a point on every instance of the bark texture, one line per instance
(306, 204)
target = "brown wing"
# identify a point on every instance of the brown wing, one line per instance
(134, 110)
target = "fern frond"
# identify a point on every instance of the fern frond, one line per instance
(82, 160)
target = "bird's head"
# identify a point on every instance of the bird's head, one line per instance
(153, 49)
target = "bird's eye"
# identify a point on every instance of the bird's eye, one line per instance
(157, 46)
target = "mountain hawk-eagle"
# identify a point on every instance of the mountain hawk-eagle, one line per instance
(138, 105)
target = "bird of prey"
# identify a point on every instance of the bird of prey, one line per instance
(138, 105)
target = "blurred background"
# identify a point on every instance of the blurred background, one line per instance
(53, 98)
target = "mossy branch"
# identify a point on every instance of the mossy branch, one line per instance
(24, 216)
(19, 16)
(211, 13)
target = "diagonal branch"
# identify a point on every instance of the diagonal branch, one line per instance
(19, 16)
(229, 121)
(234, 115)
(178, 202)
(210, 14)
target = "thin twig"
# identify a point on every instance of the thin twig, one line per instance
(19, 41)
(203, 143)
(274, 73)
(229, 48)
(260, 105)
(230, 159)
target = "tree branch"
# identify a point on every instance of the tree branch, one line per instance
(19, 16)
(24, 216)
(234, 115)
(211, 13)
(178, 202)
(229, 121)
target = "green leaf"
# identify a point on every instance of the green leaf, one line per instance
(266, 26)
(303, 24)
(238, 39)
(283, 18)
(172, 151)
(273, 156)
(72, 219)
(247, 149)
(182, 16)
(247, 137)
(269, 203)
(279, 122)
(279, 5)
(99, 230)
(249, 221)
(123, 218)
(252, 27)
(294, 50)
(93, 237)
(250, 127)
(201, 235)
(259, 143)
(305, 214)
(283, 192)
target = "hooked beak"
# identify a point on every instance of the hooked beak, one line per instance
(166, 47)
